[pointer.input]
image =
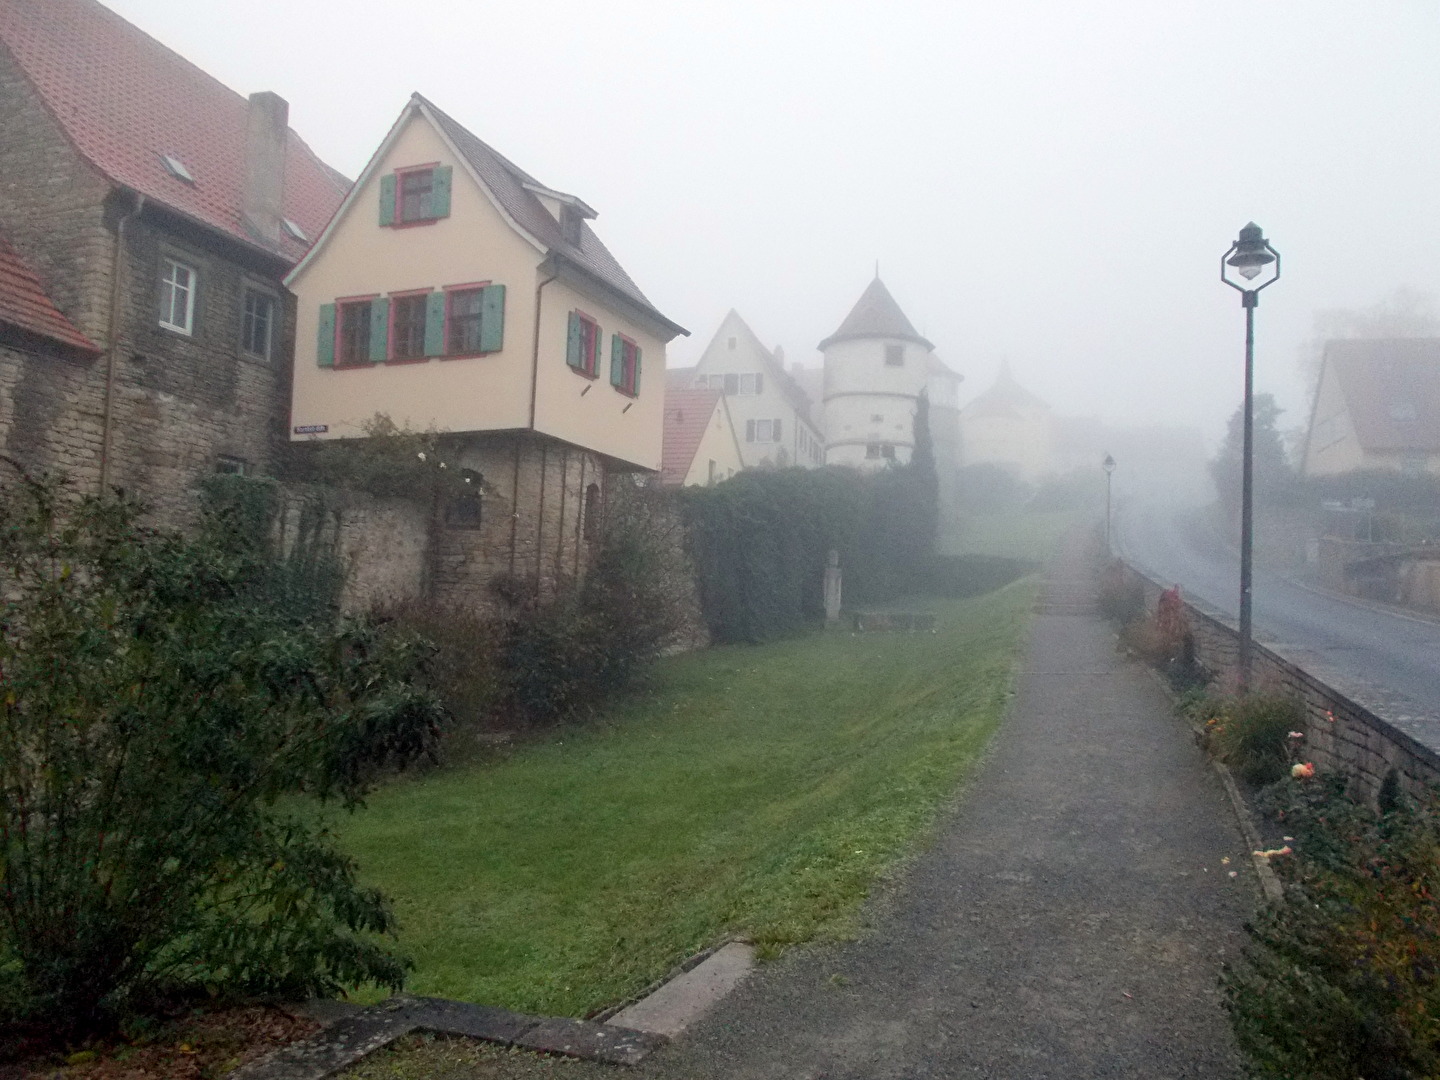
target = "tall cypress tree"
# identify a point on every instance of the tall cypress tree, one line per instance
(925, 480)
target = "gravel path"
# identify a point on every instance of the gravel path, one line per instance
(1069, 921)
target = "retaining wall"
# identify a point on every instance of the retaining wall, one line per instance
(1343, 731)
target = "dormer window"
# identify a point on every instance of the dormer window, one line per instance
(570, 224)
(176, 168)
(415, 196)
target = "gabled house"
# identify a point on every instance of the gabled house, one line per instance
(454, 292)
(161, 210)
(700, 442)
(1377, 407)
(773, 415)
(1009, 427)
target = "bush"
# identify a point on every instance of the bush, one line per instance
(154, 706)
(1122, 594)
(1341, 979)
(1252, 735)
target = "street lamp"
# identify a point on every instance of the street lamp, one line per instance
(1109, 466)
(1256, 264)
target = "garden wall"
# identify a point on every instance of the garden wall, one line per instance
(1343, 733)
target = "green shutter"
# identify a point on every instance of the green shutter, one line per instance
(440, 192)
(592, 364)
(636, 388)
(574, 342)
(492, 318)
(325, 337)
(435, 324)
(617, 361)
(379, 330)
(387, 199)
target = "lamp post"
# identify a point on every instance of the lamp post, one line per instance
(1250, 257)
(1109, 466)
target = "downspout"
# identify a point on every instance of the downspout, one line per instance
(534, 393)
(535, 350)
(107, 417)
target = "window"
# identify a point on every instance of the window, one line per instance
(177, 297)
(714, 469)
(759, 383)
(624, 365)
(880, 450)
(257, 323)
(730, 344)
(591, 512)
(415, 196)
(231, 466)
(717, 382)
(407, 326)
(776, 430)
(887, 450)
(355, 332)
(732, 384)
(463, 509)
(582, 351)
(894, 355)
(747, 384)
(877, 418)
(415, 190)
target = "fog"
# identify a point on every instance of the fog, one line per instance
(1052, 183)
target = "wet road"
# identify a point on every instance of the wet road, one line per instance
(1393, 659)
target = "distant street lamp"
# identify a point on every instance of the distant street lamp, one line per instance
(1109, 465)
(1258, 265)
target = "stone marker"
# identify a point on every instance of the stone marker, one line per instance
(673, 1007)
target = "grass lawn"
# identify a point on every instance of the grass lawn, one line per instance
(755, 791)
(1018, 534)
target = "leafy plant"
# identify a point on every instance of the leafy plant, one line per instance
(155, 706)
(1251, 734)
(1341, 979)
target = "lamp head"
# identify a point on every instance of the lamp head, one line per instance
(1249, 256)
(1109, 464)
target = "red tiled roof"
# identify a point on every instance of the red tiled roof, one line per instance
(124, 100)
(23, 303)
(687, 414)
(1392, 390)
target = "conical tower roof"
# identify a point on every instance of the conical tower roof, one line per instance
(876, 315)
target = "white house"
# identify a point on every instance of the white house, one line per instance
(772, 415)
(876, 366)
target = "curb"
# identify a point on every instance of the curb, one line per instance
(348, 1040)
(1270, 887)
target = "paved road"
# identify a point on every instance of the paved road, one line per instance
(1393, 659)
(1069, 922)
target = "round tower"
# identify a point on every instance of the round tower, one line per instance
(876, 366)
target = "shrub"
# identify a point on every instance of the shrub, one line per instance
(1251, 734)
(1341, 979)
(1122, 595)
(154, 706)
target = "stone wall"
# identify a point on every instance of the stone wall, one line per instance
(1344, 731)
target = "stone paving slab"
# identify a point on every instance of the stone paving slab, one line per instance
(681, 1001)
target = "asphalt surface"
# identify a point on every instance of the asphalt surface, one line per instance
(1069, 921)
(1390, 660)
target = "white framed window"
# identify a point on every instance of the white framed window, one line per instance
(894, 355)
(177, 297)
(762, 431)
(257, 323)
(747, 384)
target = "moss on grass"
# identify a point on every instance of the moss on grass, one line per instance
(755, 791)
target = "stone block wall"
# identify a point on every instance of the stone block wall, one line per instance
(1342, 732)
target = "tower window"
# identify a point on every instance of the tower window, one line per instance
(894, 355)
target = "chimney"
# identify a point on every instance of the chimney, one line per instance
(266, 137)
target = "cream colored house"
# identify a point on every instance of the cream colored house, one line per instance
(700, 442)
(772, 415)
(1377, 407)
(454, 292)
(1009, 427)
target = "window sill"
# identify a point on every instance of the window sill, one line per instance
(414, 224)
(354, 365)
(403, 360)
(591, 375)
(182, 331)
(632, 394)
(466, 356)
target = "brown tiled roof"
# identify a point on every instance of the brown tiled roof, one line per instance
(125, 100)
(687, 414)
(876, 315)
(507, 182)
(1392, 390)
(24, 304)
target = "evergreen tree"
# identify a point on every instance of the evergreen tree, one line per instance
(1273, 474)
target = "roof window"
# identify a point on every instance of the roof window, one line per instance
(176, 168)
(294, 230)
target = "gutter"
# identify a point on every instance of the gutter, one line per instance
(107, 421)
(535, 348)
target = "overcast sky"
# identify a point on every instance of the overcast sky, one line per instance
(1047, 181)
